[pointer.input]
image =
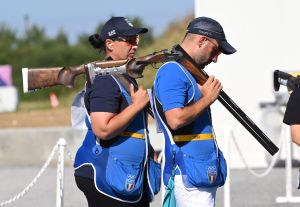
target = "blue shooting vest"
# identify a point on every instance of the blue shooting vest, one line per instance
(119, 169)
(197, 156)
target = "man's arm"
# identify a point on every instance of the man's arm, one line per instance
(179, 117)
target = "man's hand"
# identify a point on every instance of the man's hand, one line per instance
(211, 89)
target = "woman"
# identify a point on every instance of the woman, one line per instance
(110, 166)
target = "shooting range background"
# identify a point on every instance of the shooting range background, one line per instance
(266, 35)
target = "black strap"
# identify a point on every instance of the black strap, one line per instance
(125, 81)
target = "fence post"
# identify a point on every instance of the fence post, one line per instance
(60, 172)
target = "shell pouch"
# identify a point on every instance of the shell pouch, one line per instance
(206, 170)
(154, 175)
(125, 175)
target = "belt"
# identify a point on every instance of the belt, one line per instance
(193, 137)
(132, 134)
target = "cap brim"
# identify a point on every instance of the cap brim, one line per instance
(134, 31)
(226, 48)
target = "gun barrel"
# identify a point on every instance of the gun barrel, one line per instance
(283, 75)
(247, 123)
(201, 76)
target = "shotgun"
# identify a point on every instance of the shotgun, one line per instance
(201, 76)
(39, 78)
(34, 79)
(291, 81)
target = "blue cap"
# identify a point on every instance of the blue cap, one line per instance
(211, 28)
(119, 27)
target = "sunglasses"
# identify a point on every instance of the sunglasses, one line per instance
(134, 40)
(216, 48)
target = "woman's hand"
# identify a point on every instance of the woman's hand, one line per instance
(139, 98)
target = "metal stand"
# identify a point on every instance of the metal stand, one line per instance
(60, 173)
(288, 198)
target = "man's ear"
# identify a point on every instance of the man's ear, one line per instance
(201, 39)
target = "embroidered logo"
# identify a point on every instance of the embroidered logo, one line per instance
(130, 182)
(212, 174)
(111, 33)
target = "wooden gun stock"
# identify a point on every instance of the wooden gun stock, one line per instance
(39, 78)
(201, 76)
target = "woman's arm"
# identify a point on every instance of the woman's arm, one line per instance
(108, 125)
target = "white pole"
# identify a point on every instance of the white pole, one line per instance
(288, 198)
(227, 157)
(288, 165)
(196, 8)
(60, 173)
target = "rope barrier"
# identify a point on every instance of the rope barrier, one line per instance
(160, 159)
(39, 174)
(68, 151)
(272, 163)
(229, 134)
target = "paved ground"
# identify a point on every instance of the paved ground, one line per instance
(246, 190)
(38, 118)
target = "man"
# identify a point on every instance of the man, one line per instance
(182, 108)
(292, 115)
(113, 166)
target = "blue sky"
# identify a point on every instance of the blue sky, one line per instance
(77, 17)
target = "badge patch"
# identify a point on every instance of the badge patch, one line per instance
(130, 182)
(212, 174)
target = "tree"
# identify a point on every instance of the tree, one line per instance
(62, 38)
(7, 43)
